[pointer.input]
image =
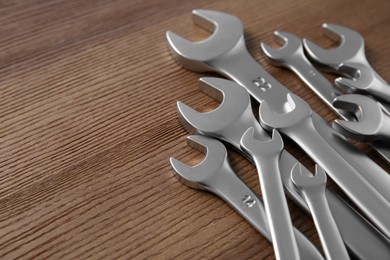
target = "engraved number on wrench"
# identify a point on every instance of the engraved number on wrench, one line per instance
(248, 201)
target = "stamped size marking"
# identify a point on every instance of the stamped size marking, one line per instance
(312, 73)
(249, 201)
(262, 84)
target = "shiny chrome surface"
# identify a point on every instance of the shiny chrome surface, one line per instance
(266, 155)
(234, 116)
(313, 189)
(215, 174)
(373, 122)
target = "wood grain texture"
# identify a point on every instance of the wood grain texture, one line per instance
(88, 95)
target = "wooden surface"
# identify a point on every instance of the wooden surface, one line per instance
(88, 122)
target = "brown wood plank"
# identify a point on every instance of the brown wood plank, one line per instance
(88, 95)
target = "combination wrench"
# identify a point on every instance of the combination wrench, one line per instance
(291, 56)
(225, 52)
(214, 174)
(229, 121)
(266, 155)
(313, 189)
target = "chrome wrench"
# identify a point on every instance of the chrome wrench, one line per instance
(291, 56)
(373, 120)
(298, 125)
(225, 52)
(349, 58)
(313, 189)
(229, 122)
(266, 155)
(215, 174)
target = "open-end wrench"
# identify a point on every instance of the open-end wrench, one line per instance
(215, 174)
(349, 57)
(313, 189)
(373, 121)
(229, 121)
(298, 125)
(225, 52)
(266, 156)
(291, 55)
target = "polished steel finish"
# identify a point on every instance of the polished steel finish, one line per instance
(350, 58)
(291, 55)
(313, 189)
(230, 120)
(373, 122)
(229, 56)
(297, 123)
(215, 174)
(266, 155)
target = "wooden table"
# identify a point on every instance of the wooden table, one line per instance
(88, 123)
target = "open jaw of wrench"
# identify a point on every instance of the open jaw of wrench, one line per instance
(266, 155)
(373, 122)
(313, 189)
(349, 58)
(225, 52)
(215, 174)
(229, 122)
(291, 55)
(298, 125)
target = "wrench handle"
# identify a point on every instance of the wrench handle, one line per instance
(302, 67)
(328, 232)
(369, 200)
(276, 207)
(251, 207)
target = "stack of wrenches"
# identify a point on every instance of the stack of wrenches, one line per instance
(373, 116)
(280, 111)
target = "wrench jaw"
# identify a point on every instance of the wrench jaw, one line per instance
(369, 116)
(296, 112)
(304, 180)
(227, 122)
(199, 56)
(201, 175)
(291, 47)
(351, 48)
(362, 79)
(251, 145)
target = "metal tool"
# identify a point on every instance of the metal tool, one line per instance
(313, 189)
(373, 122)
(291, 56)
(266, 156)
(215, 174)
(349, 57)
(225, 52)
(298, 125)
(229, 122)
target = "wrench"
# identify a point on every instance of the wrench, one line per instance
(349, 57)
(291, 56)
(215, 174)
(373, 122)
(225, 52)
(229, 122)
(266, 155)
(298, 125)
(313, 189)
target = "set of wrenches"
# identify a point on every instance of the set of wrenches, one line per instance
(363, 106)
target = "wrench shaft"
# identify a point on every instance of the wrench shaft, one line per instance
(276, 207)
(364, 195)
(241, 198)
(326, 226)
